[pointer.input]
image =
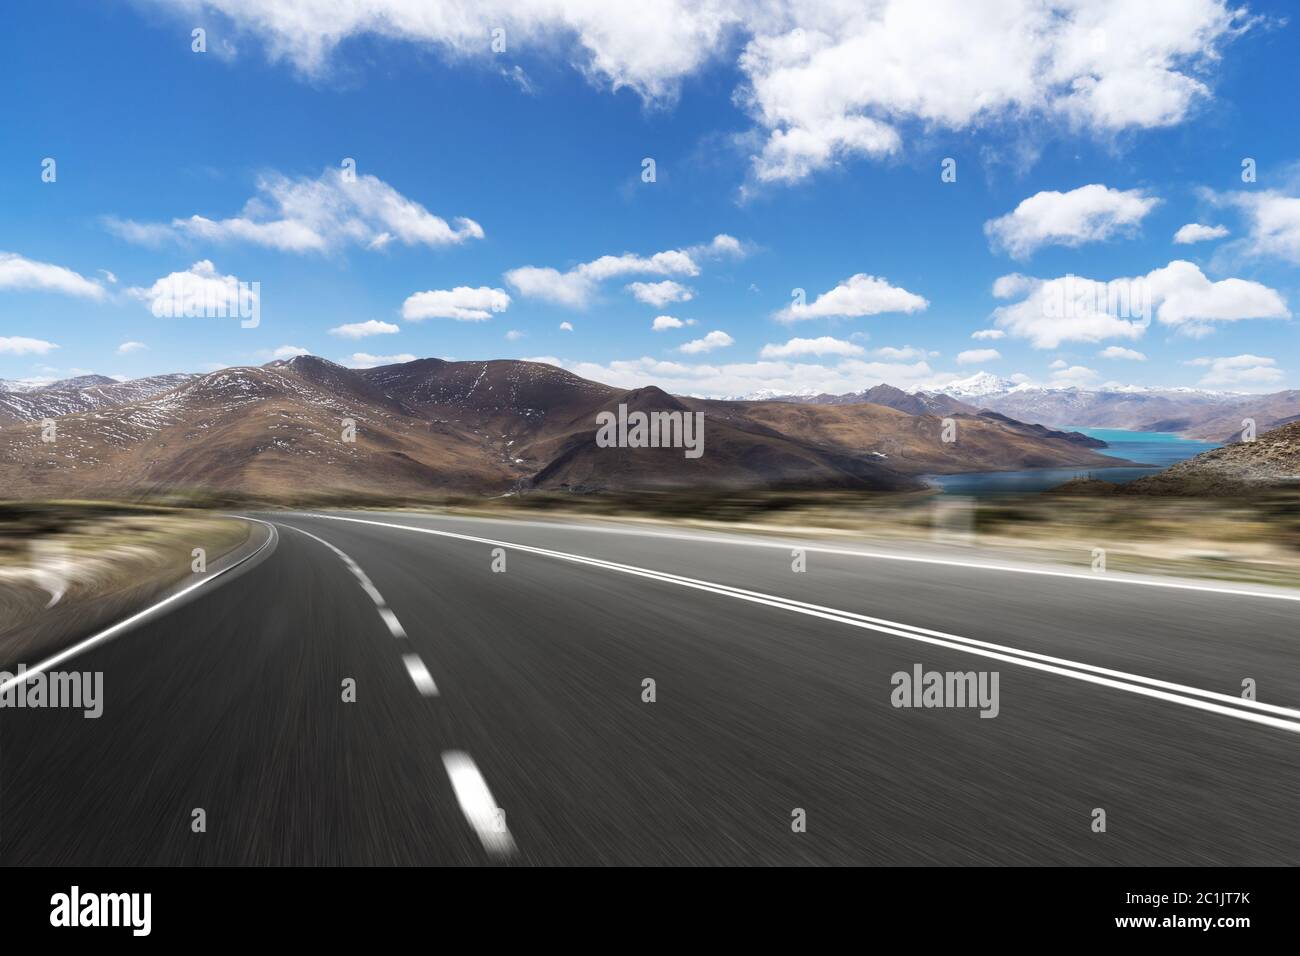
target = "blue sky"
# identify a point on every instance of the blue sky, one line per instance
(811, 139)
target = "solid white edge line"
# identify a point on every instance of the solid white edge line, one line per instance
(723, 538)
(127, 623)
(420, 675)
(476, 803)
(1132, 683)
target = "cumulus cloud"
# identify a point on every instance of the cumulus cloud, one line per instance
(1179, 295)
(907, 352)
(366, 360)
(1274, 223)
(714, 340)
(1077, 375)
(660, 294)
(576, 287)
(1244, 370)
(663, 323)
(126, 348)
(359, 330)
(21, 345)
(19, 274)
(822, 81)
(322, 215)
(1119, 352)
(761, 377)
(514, 335)
(857, 295)
(977, 356)
(464, 304)
(198, 291)
(566, 326)
(823, 345)
(1197, 232)
(832, 81)
(988, 335)
(1090, 213)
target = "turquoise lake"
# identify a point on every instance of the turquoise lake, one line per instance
(1157, 449)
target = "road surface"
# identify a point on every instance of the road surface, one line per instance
(500, 715)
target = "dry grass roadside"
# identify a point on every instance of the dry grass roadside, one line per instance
(104, 561)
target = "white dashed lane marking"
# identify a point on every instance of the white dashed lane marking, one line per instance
(471, 789)
(420, 675)
(482, 812)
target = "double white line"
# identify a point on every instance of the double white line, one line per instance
(1270, 715)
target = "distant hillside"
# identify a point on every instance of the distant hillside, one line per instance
(1272, 460)
(81, 394)
(919, 403)
(1270, 463)
(1192, 413)
(431, 426)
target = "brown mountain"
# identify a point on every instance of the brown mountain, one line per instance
(431, 426)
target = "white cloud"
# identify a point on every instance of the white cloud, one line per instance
(1059, 363)
(198, 291)
(19, 274)
(721, 246)
(359, 330)
(988, 335)
(659, 294)
(761, 377)
(566, 326)
(1011, 285)
(464, 304)
(1196, 232)
(823, 81)
(314, 215)
(1247, 370)
(514, 335)
(613, 45)
(856, 296)
(714, 340)
(823, 345)
(663, 323)
(1076, 309)
(289, 351)
(1274, 221)
(828, 81)
(906, 353)
(576, 287)
(21, 345)
(366, 360)
(1077, 375)
(1090, 213)
(126, 348)
(1186, 296)
(1119, 352)
(978, 356)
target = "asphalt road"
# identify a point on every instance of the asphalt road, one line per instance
(499, 715)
